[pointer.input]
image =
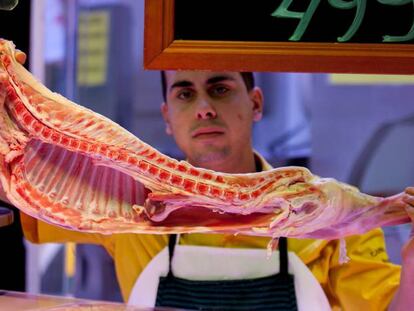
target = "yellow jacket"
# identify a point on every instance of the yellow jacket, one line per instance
(367, 282)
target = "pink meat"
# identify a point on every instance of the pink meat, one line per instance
(69, 166)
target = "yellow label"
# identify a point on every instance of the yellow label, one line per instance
(93, 34)
(70, 259)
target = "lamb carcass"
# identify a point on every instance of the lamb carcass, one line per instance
(65, 164)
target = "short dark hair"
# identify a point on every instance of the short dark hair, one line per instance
(247, 76)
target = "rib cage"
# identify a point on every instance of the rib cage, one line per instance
(67, 165)
(59, 174)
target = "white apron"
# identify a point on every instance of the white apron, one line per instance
(204, 263)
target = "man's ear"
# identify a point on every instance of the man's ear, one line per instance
(256, 95)
(164, 113)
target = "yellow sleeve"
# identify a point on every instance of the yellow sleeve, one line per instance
(368, 281)
(37, 231)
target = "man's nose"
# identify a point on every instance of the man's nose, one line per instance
(205, 110)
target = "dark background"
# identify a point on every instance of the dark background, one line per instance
(15, 26)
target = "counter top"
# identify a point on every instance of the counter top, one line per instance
(16, 301)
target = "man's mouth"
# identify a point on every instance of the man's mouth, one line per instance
(209, 132)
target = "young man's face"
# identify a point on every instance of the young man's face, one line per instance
(210, 114)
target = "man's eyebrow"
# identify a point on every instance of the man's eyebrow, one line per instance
(212, 80)
(183, 83)
(218, 79)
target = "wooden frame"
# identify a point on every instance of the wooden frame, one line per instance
(162, 52)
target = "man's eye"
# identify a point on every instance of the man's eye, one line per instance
(220, 90)
(185, 95)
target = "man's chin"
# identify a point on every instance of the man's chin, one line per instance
(211, 154)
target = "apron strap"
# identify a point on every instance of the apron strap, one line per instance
(283, 254)
(172, 240)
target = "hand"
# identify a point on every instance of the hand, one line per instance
(20, 56)
(408, 250)
(409, 196)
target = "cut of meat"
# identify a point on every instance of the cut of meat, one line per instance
(69, 166)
